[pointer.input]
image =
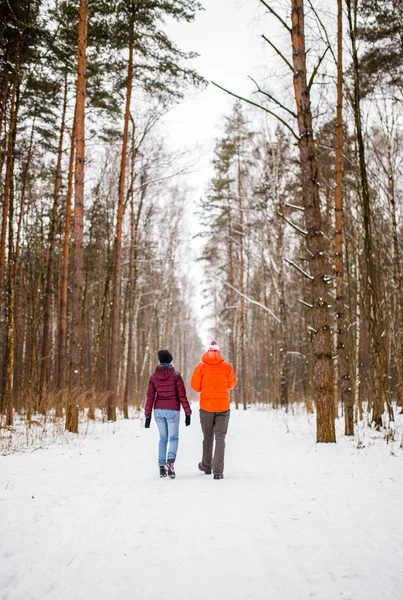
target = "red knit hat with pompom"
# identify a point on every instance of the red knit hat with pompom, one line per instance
(214, 347)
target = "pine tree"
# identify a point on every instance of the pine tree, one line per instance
(347, 395)
(75, 381)
(380, 27)
(378, 354)
(160, 73)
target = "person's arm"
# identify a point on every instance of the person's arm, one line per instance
(231, 377)
(150, 399)
(181, 391)
(197, 378)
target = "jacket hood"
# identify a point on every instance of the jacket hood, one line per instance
(212, 357)
(164, 371)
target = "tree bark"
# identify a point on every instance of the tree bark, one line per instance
(78, 249)
(8, 180)
(323, 368)
(115, 334)
(7, 408)
(242, 324)
(22, 199)
(346, 389)
(50, 258)
(61, 370)
(377, 349)
(129, 388)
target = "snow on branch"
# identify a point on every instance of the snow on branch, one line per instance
(248, 299)
(306, 303)
(293, 225)
(304, 273)
(295, 206)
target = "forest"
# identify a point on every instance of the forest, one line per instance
(301, 223)
(201, 292)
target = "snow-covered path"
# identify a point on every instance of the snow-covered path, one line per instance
(290, 521)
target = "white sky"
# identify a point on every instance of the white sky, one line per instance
(227, 37)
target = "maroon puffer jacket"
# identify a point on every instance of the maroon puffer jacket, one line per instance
(166, 390)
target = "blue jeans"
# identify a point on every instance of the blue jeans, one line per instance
(168, 427)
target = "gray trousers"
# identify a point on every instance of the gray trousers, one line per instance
(214, 425)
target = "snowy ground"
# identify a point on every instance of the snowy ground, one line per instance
(291, 520)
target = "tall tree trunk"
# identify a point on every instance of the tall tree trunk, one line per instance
(283, 346)
(8, 387)
(98, 340)
(347, 395)
(115, 334)
(323, 367)
(232, 313)
(8, 180)
(377, 347)
(22, 199)
(397, 276)
(50, 258)
(4, 94)
(129, 388)
(242, 324)
(61, 370)
(78, 250)
(283, 355)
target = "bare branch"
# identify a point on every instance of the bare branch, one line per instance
(151, 122)
(273, 99)
(304, 273)
(322, 26)
(270, 112)
(281, 55)
(316, 69)
(293, 225)
(158, 179)
(305, 303)
(294, 206)
(252, 301)
(273, 12)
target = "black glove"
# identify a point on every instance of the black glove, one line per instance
(148, 421)
(187, 420)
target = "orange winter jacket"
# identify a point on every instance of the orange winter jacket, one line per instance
(214, 377)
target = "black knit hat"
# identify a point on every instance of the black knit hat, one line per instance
(164, 356)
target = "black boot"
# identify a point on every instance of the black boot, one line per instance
(171, 468)
(204, 469)
(218, 476)
(163, 471)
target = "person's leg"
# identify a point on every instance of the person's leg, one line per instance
(162, 425)
(173, 417)
(207, 425)
(221, 421)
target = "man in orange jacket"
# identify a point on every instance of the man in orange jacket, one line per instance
(213, 378)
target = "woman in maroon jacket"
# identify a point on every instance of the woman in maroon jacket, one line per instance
(166, 392)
